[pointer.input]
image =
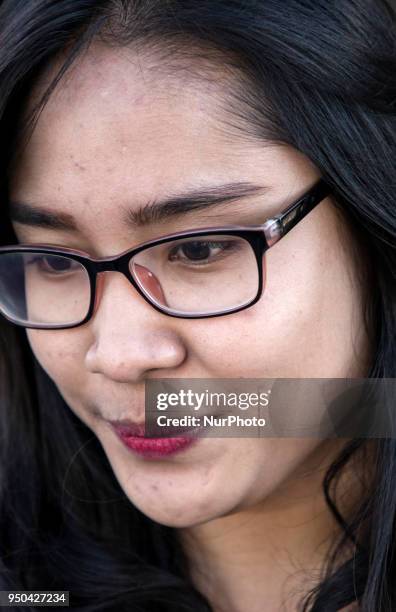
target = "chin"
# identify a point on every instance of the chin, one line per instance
(179, 517)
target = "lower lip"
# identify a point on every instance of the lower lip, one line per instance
(155, 447)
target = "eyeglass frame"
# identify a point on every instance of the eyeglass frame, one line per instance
(260, 237)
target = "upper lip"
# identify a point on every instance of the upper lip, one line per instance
(128, 428)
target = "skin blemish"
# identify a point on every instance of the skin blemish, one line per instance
(80, 166)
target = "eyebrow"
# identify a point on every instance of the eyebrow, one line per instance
(152, 212)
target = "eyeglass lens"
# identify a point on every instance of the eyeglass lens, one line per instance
(194, 276)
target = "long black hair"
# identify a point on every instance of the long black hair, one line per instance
(317, 75)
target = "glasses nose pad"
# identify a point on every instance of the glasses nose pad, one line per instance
(150, 283)
(98, 290)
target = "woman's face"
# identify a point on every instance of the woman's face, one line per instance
(117, 135)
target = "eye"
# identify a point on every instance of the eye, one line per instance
(53, 264)
(202, 251)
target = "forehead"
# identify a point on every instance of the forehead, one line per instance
(122, 130)
(118, 106)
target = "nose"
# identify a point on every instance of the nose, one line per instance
(129, 337)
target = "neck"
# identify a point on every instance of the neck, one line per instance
(269, 556)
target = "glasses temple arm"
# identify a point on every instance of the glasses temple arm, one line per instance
(281, 224)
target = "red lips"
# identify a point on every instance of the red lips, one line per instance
(128, 428)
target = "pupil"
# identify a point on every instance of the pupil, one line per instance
(196, 250)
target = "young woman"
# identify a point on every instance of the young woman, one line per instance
(126, 121)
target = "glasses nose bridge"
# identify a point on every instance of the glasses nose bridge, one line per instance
(144, 281)
(116, 264)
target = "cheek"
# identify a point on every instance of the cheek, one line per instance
(261, 341)
(301, 327)
(58, 355)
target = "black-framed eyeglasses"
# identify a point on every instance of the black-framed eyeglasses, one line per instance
(207, 272)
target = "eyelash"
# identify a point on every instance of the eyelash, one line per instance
(228, 246)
